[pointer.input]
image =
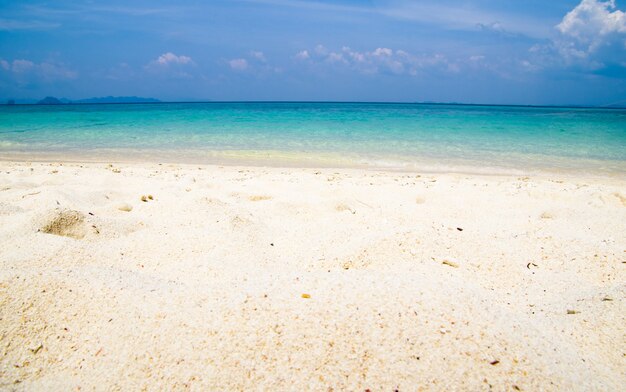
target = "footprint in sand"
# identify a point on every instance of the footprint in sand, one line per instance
(77, 225)
(9, 209)
(213, 201)
(621, 198)
(66, 223)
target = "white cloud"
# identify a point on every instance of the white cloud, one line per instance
(592, 38)
(592, 20)
(260, 56)
(355, 56)
(22, 66)
(493, 26)
(335, 58)
(170, 58)
(169, 65)
(595, 30)
(24, 71)
(383, 52)
(255, 63)
(238, 64)
(303, 55)
(321, 50)
(52, 72)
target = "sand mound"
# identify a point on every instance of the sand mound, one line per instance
(67, 223)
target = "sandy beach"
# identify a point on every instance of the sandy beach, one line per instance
(146, 276)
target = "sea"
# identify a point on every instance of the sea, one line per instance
(393, 136)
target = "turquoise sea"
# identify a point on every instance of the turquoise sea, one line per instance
(395, 136)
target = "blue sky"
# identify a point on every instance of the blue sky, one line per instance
(481, 51)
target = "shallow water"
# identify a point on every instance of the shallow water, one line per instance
(347, 134)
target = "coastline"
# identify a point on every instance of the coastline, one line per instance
(539, 165)
(283, 277)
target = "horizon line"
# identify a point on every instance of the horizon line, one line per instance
(562, 106)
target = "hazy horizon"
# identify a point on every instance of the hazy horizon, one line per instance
(153, 100)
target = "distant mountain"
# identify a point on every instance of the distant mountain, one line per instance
(60, 101)
(117, 100)
(50, 101)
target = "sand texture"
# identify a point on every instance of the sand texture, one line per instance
(167, 277)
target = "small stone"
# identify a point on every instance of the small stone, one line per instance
(125, 207)
(306, 295)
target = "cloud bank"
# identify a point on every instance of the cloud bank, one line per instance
(593, 23)
(591, 38)
(27, 71)
(378, 61)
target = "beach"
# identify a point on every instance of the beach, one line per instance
(118, 276)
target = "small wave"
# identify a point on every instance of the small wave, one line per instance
(8, 144)
(16, 131)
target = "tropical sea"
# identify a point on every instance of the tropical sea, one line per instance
(400, 136)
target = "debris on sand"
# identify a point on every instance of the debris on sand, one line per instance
(259, 198)
(450, 263)
(36, 349)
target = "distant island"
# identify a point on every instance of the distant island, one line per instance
(50, 101)
(109, 99)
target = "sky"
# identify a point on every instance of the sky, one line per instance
(537, 52)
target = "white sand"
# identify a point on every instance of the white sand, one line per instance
(202, 286)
